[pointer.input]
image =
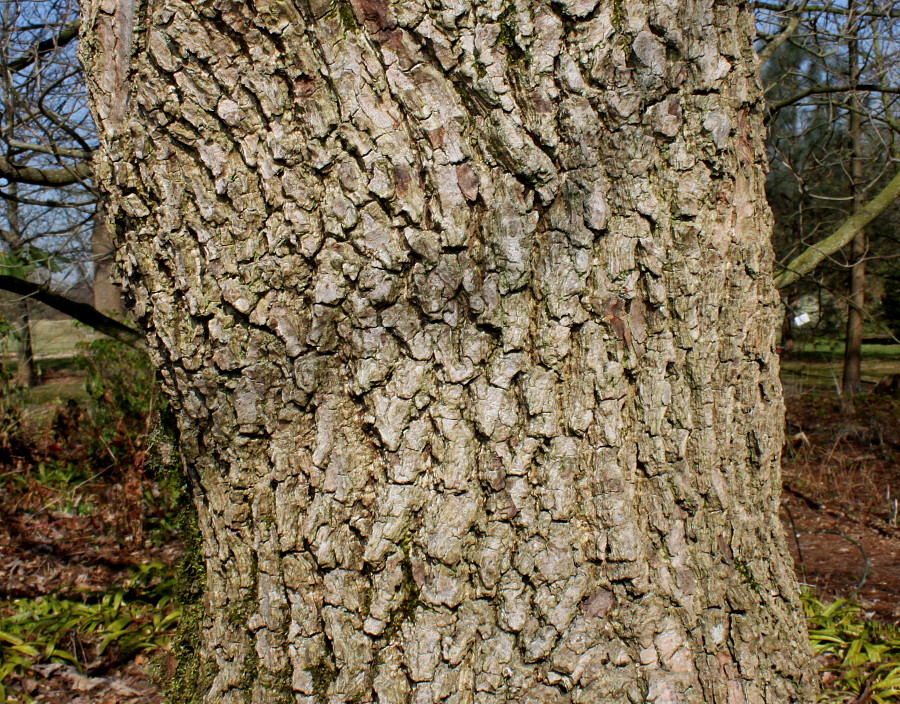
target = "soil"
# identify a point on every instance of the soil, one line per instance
(64, 684)
(841, 478)
(841, 473)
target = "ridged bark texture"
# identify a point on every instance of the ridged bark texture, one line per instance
(467, 315)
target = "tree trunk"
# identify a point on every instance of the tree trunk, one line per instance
(467, 316)
(786, 343)
(25, 374)
(852, 380)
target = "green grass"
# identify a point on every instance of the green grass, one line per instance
(57, 392)
(56, 344)
(881, 352)
(827, 372)
(818, 363)
(830, 348)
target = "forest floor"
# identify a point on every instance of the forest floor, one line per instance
(100, 545)
(841, 479)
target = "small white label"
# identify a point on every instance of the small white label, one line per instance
(801, 320)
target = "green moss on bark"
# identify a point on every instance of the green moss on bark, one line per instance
(192, 675)
(323, 675)
(409, 598)
(277, 686)
(348, 19)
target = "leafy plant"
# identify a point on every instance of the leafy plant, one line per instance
(860, 657)
(153, 582)
(80, 633)
(21, 262)
(121, 383)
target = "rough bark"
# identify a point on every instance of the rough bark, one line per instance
(467, 315)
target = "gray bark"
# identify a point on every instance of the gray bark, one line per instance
(466, 312)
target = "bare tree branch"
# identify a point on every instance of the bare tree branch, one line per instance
(813, 255)
(826, 90)
(66, 34)
(830, 9)
(790, 27)
(39, 176)
(46, 202)
(82, 312)
(51, 149)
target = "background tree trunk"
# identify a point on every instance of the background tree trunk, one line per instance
(851, 378)
(466, 312)
(107, 295)
(25, 372)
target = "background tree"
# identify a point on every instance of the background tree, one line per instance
(46, 140)
(466, 313)
(832, 81)
(22, 319)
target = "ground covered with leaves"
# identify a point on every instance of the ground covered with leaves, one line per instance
(89, 546)
(88, 536)
(841, 478)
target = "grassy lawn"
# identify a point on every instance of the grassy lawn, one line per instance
(56, 343)
(818, 364)
(53, 338)
(828, 349)
(58, 391)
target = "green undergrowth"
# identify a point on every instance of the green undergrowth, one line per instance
(88, 633)
(859, 657)
(97, 469)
